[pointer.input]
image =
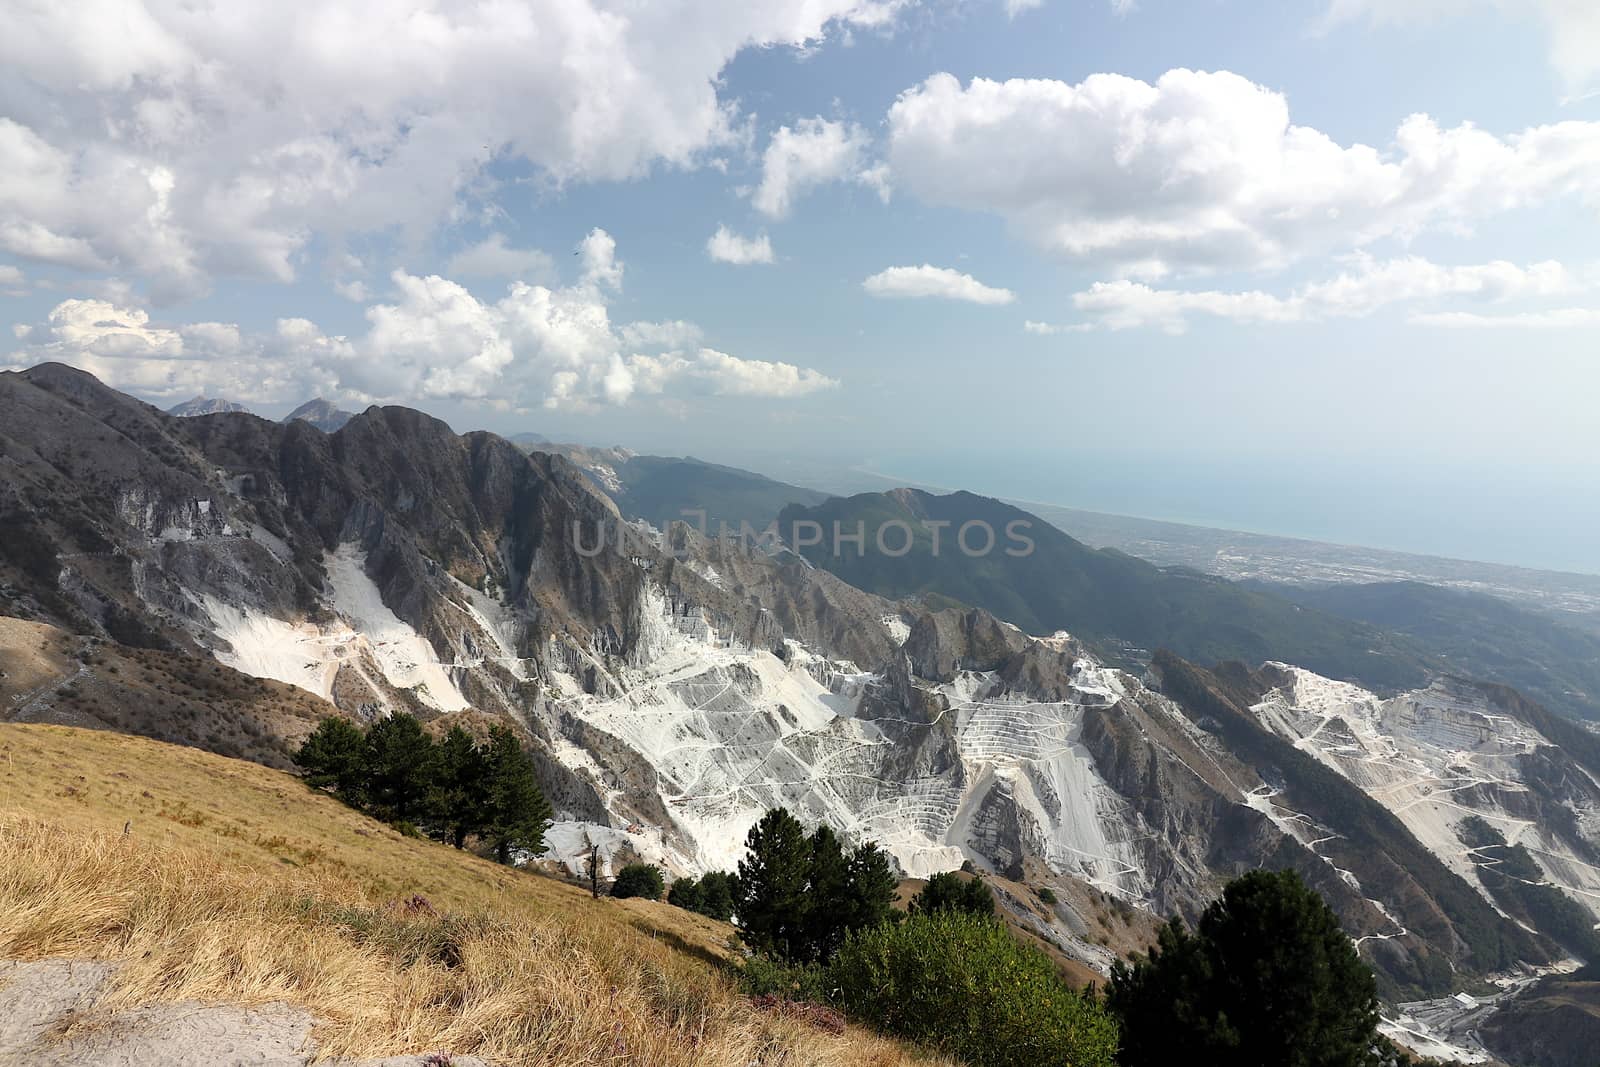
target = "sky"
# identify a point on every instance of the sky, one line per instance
(1323, 268)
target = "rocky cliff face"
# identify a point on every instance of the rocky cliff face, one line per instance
(675, 687)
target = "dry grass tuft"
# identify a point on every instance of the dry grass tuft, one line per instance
(471, 958)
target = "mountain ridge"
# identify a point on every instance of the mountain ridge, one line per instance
(202, 405)
(673, 686)
(323, 414)
(1058, 583)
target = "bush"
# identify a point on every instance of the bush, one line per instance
(961, 984)
(639, 880)
(763, 976)
(1048, 895)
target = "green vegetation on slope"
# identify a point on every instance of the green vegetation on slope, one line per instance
(962, 984)
(1518, 884)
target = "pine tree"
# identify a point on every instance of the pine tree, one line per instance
(772, 882)
(872, 886)
(827, 912)
(685, 894)
(457, 802)
(948, 891)
(336, 755)
(516, 812)
(401, 759)
(1267, 977)
(717, 892)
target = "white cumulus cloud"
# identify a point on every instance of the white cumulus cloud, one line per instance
(930, 281)
(1205, 171)
(675, 333)
(725, 375)
(123, 346)
(554, 346)
(813, 152)
(174, 142)
(725, 246)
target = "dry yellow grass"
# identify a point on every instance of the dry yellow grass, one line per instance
(236, 884)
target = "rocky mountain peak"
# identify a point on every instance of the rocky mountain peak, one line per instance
(323, 414)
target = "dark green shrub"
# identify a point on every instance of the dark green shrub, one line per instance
(961, 984)
(639, 880)
(763, 976)
(1048, 895)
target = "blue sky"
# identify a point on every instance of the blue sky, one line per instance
(501, 213)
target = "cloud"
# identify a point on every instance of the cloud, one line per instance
(493, 258)
(1372, 285)
(598, 254)
(1204, 171)
(121, 345)
(673, 334)
(931, 281)
(1050, 329)
(725, 375)
(1555, 319)
(554, 346)
(725, 246)
(813, 152)
(176, 142)
(1017, 7)
(1573, 26)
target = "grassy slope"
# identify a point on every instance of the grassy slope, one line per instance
(236, 883)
